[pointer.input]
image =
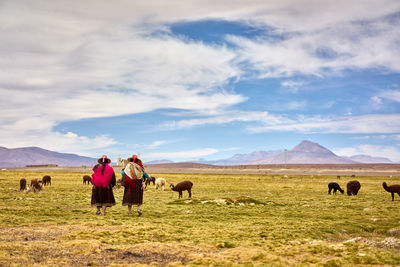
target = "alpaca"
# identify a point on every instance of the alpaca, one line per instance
(46, 180)
(160, 183)
(35, 185)
(182, 186)
(335, 187)
(87, 178)
(353, 187)
(22, 184)
(392, 189)
(119, 183)
(152, 179)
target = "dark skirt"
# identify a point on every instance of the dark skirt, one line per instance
(102, 197)
(133, 196)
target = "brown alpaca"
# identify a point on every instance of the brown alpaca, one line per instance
(46, 180)
(87, 178)
(119, 183)
(35, 185)
(182, 186)
(22, 184)
(353, 187)
(392, 189)
(152, 179)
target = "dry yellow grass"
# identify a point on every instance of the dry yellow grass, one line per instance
(231, 220)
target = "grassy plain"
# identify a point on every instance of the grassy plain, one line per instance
(231, 220)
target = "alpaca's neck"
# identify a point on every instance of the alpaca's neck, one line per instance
(387, 188)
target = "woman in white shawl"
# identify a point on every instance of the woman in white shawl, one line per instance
(132, 179)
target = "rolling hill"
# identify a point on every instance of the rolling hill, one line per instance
(20, 157)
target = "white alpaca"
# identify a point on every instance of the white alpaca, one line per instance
(160, 183)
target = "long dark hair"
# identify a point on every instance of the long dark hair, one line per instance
(104, 166)
(103, 163)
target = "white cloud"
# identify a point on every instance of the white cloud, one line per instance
(222, 117)
(187, 154)
(64, 60)
(155, 144)
(376, 100)
(347, 45)
(392, 95)
(67, 62)
(366, 124)
(396, 137)
(372, 150)
(292, 85)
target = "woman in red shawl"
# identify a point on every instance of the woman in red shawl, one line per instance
(103, 179)
(133, 176)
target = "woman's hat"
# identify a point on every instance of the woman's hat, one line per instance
(104, 159)
(132, 159)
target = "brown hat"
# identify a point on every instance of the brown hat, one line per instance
(104, 159)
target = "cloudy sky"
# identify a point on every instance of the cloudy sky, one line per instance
(184, 80)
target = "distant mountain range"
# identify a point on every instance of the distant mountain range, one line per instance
(304, 153)
(369, 159)
(161, 161)
(20, 157)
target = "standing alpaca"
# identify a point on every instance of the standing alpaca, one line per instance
(182, 186)
(46, 180)
(392, 189)
(335, 187)
(22, 184)
(353, 187)
(160, 183)
(88, 179)
(152, 179)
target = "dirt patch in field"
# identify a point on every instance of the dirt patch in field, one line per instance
(390, 242)
(48, 245)
(52, 245)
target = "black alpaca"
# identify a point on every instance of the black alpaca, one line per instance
(335, 187)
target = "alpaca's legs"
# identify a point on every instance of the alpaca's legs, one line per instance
(330, 189)
(190, 193)
(392, 196)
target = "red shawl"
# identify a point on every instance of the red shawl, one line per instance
(102, 180)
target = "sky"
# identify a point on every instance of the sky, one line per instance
(184, 80)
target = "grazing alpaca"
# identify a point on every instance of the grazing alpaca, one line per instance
(119, 183)
(35, 185)
(160, 183)
(152, 179)
(22, 184)
(88, 179)
(353, 187)
(335, 187)
(392, 189)
(46, 180)
(182, 186)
